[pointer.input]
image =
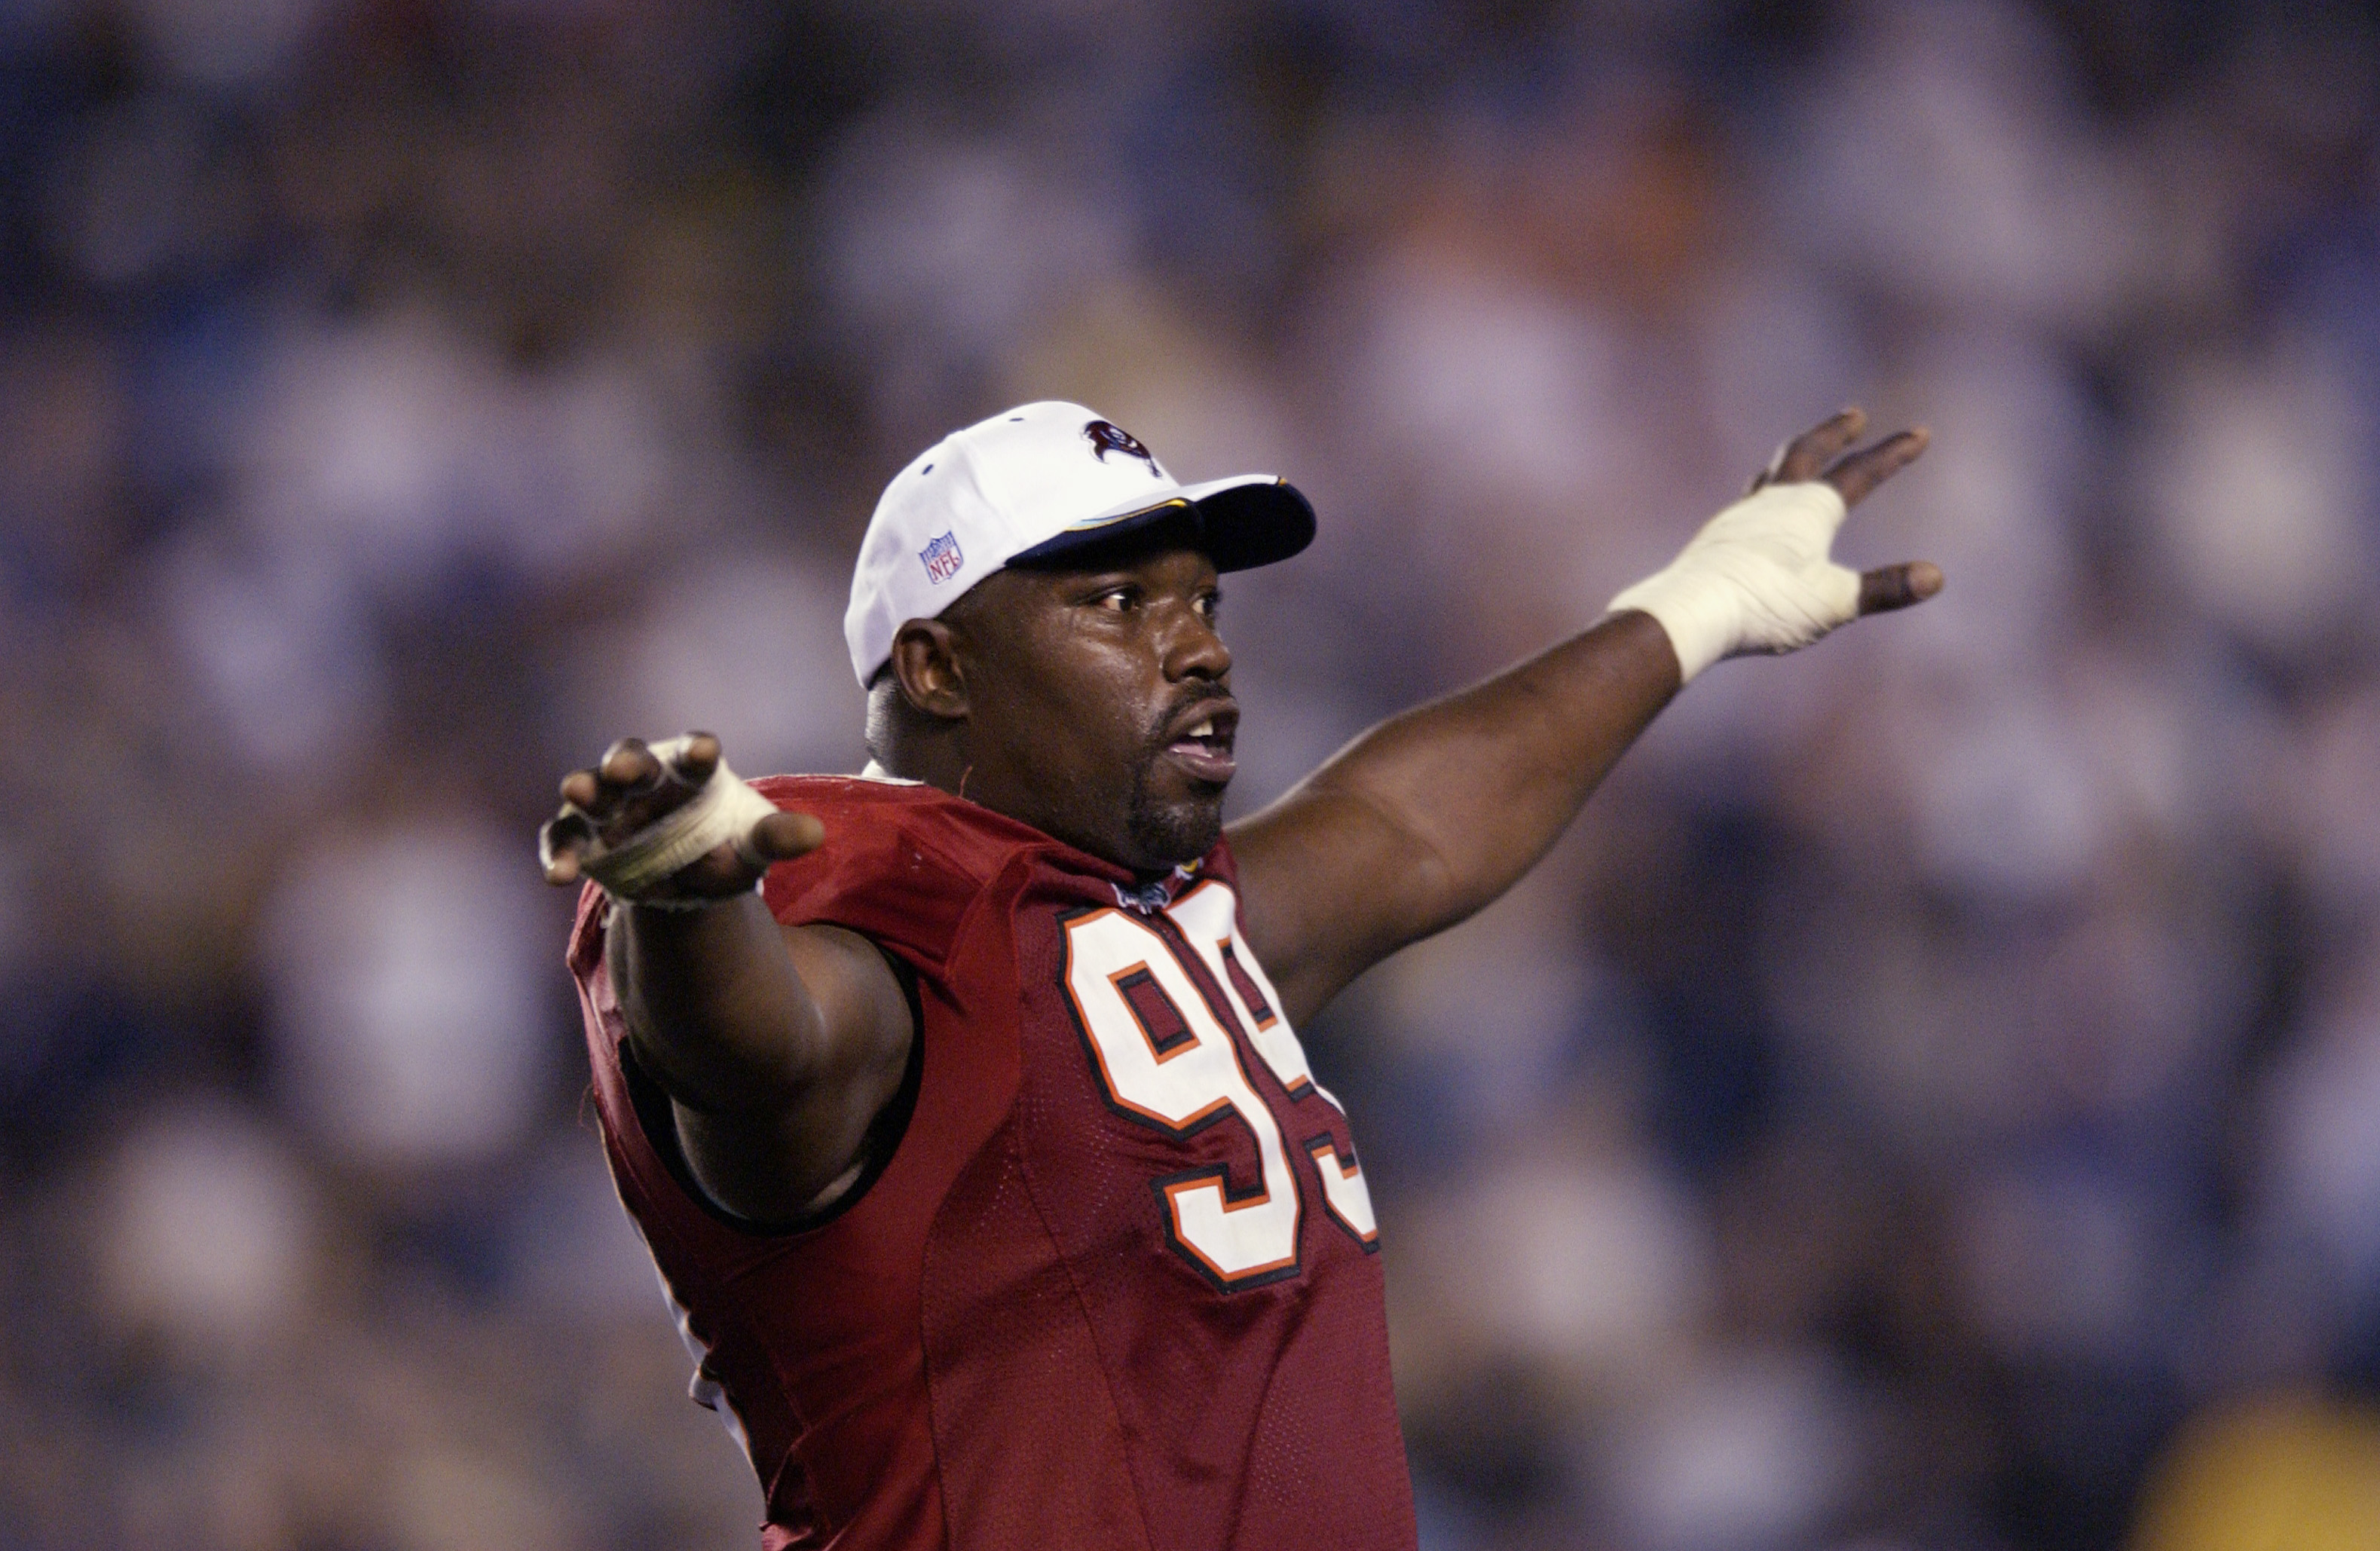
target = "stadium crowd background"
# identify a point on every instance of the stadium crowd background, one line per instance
(1933, 1104)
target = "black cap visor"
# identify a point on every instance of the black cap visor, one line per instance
(1238, 529)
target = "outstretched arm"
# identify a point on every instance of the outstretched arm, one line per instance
(1431, 814)
(778, 1046)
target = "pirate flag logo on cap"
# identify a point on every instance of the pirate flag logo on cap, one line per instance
(1106, 437)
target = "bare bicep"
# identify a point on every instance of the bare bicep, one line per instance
(773, 1159)
(1327, 889)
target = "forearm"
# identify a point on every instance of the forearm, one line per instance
(1484, 781)
(714, 1002)
(1431, 816)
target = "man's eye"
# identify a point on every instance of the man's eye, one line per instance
(1115, 601)
(1209, 606)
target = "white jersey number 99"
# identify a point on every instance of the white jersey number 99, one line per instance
(1165, 1058)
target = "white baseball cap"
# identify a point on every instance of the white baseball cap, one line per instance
(1031, 483)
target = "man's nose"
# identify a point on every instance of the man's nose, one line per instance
(1194, 650)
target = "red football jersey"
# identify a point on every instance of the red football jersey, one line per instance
(1117, 1286)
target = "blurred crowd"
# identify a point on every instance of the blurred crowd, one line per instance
(1932, 1103)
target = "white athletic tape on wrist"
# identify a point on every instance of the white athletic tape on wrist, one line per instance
(1757, 578)
(722, 813)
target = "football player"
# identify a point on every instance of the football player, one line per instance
(961, 1101)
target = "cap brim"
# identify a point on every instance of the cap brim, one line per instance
(1243, 522)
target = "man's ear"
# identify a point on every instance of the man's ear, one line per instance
(925, 664)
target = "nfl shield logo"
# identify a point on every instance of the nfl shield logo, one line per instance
(942, 558)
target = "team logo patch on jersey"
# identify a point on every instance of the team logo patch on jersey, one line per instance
(1149, 899)
(1106, 437)
(942, 558)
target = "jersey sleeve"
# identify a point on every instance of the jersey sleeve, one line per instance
(893, 868)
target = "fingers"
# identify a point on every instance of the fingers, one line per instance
(629, 779)
(1802, 458)
(1897, 587)
(631, 787)
(629, 766)
(1822, 452)
(1856, 474)
(699, 759)
(559, 844)
(781, 837)
(625, 789)
(630, 769)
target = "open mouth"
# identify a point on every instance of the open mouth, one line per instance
(1204, 746)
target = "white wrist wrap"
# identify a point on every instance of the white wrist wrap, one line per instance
(723, 813)
(1756, 578)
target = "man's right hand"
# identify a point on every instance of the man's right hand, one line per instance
(632, 788)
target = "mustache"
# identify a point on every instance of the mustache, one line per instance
(1172, 714)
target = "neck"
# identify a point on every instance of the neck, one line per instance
(938, 762)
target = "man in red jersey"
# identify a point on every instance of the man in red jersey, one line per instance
(960, 1101)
